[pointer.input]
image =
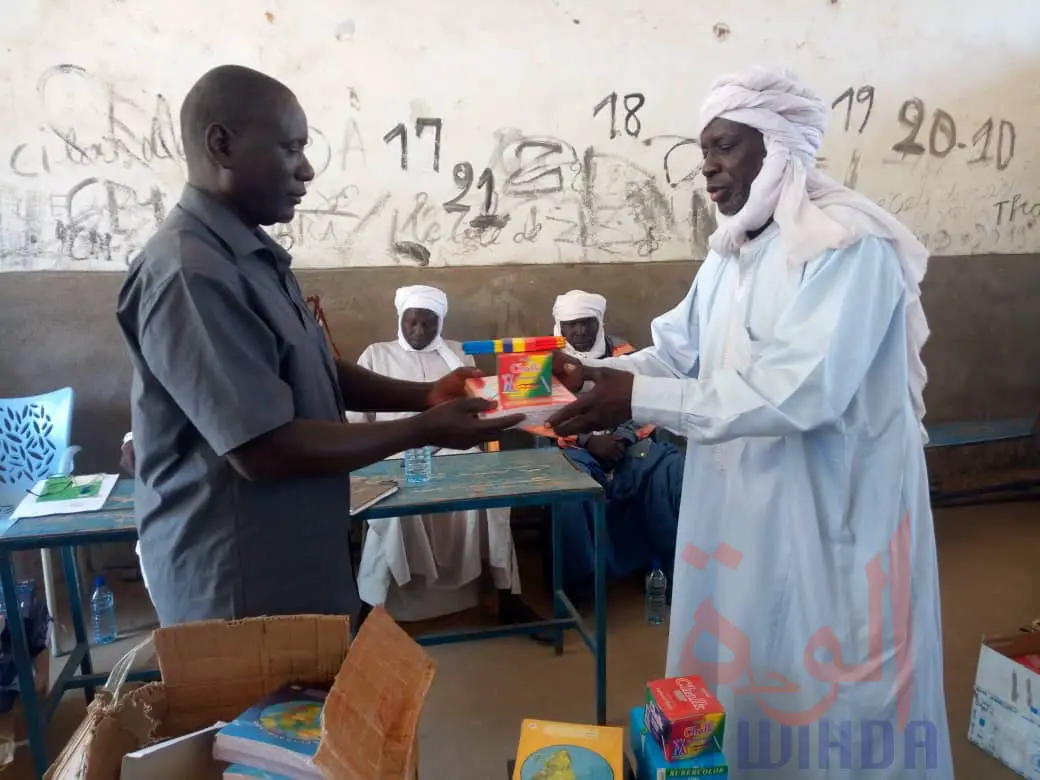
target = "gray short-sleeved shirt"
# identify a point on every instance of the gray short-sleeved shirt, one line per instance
(225, 349)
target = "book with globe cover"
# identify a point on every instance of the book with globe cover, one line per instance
(278, 735)
(569, 751)
(243, 772)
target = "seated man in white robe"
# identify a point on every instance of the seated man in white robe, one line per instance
(425, 566)
(640, 472)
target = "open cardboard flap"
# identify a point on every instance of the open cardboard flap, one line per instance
(215, 670)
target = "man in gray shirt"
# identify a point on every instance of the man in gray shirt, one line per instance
(242, 452)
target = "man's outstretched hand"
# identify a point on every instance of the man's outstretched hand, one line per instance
(451, 386)
(607, 449)
(605, 406)
(457, 424)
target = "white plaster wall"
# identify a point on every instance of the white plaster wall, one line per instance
(90, 156)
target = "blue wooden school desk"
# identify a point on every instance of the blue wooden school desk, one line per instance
(460, 482)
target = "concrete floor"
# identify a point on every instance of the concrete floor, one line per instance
(990, 581)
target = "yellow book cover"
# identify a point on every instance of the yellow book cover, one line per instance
(569, 751)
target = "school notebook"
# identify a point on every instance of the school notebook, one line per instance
(278, 735)
(569, 751)
(366, 491)
(66, 495)
(190, 755)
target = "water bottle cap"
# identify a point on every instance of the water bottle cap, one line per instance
(99, 581)
(656, 564)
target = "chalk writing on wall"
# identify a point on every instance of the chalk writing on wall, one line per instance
(632, 103)
(851, 97)
(564, 165)
(942, 136)
(566, 200)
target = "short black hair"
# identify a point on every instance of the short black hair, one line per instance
(232, 95)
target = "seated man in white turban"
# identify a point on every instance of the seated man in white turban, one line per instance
(641, 475)
(806, 582)
(426, 566)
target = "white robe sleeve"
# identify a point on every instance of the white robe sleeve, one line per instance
(365, 361)
(806, 375)
(675, 351)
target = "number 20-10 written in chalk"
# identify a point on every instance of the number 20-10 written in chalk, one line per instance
(942, 136)
(993, 141)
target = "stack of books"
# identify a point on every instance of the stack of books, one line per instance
(275, 738)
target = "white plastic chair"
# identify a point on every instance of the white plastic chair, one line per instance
(34, 445)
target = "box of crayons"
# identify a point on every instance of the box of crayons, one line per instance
(651, 763)
(683, 716)
(524, 378)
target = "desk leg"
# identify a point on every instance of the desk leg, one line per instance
(24, 666)
(600, 542)
(71, 571)
(557, 577)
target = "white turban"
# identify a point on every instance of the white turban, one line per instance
(420, 296)
(578, 305)
(814, 212)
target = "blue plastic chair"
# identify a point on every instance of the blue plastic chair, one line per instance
(34, 445)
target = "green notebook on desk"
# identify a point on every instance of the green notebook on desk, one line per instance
(66, 495)
(69, 488)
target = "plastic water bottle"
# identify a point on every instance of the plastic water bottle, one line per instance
(102, 613)
(418, 465)
(656, 595)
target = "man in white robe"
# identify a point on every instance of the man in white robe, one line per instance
(425, 566)
(806, 587)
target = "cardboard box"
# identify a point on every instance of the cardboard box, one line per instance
(535, 410)
(651, 761)
(213, 671)
(1032, 661)
(683, 716)
(523, 378)
(1005, 714)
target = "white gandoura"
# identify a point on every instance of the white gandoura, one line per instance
(425, 566)
(806, 583)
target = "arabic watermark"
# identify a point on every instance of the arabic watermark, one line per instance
(835, 745)
(806, 732)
